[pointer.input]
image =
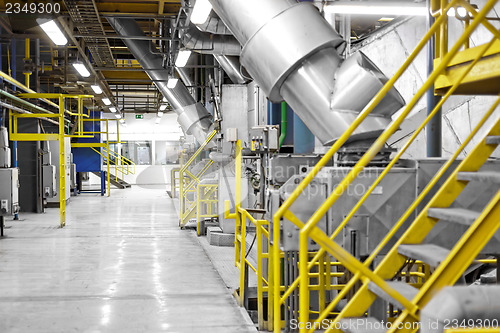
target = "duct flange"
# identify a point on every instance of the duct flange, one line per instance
(281, 45)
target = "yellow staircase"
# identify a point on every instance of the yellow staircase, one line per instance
(363, 283)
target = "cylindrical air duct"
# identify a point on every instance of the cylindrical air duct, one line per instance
(290, 51)
(192, 116)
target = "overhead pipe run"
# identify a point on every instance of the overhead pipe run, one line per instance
(192, 116)
(291, 52)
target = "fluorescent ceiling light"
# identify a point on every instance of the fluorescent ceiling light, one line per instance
(81, 69)
(376, 9)
(112, 109)
(163, 107)
(122, 121)
(106, 101)
(96, 88)
(172, 83)
(182, 58)
(54, 33)
(165, 99)
(160, 114)
(201, 10)
(157, 121)
(118, 116)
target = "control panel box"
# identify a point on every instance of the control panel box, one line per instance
(265, 139)
(9, 191)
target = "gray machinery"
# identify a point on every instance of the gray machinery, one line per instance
(54, 151)
(48, 172)
(9, 181)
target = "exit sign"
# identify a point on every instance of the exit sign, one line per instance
(139, 116)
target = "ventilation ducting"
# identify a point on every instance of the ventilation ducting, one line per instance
(192, 116)
(290, 50)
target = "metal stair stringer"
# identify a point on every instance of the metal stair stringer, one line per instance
(423, 224)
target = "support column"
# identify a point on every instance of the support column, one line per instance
(434, 128)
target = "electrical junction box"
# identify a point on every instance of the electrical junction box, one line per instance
(265, 139)
(9, 191)
(232, 135)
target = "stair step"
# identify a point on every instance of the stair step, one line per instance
(480, 176)
(431, 254)
(361, 325)
(456, 215)
(493, 140)
(403, 288)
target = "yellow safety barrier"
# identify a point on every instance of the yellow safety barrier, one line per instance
(206, 206)
(188, 183)
(174, 181)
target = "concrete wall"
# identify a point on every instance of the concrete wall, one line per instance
(390, 47)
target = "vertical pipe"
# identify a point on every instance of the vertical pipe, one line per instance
(434, 128)
(284, 123)
(27, 57)
(14, 143)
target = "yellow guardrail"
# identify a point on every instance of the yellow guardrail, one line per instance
(206, 206)
(174, 181)
(309, 229)
(188, 182)
(15, 135)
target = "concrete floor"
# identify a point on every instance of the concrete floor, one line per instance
(120, 265)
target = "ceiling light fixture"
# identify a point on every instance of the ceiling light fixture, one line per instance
(118, 116)
(112, 109)
(160, 114)
(163, 107)
(201, 11)
(172, 82)
(381, 8)
(122, 121)
(106, 101)
(80, 68)
(96, 88)
(53, 31)
(157, 121)
(182, 58)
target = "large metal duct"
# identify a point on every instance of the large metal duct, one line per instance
(290, 51)
(192, 116)
(206, 43)
(476, 304)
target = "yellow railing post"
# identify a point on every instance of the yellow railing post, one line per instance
(62, 164)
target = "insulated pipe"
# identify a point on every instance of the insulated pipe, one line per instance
(206, 43)
(192, 116)
(231, 65)
(479, 304)
(284, 123)
(290, 51)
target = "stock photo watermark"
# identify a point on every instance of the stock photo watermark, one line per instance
(363, 324)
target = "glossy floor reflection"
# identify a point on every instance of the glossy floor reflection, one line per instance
(120, 265)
